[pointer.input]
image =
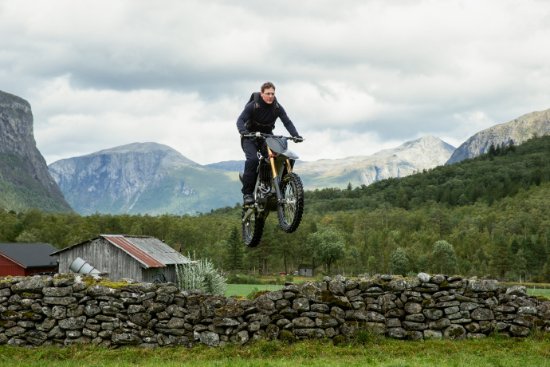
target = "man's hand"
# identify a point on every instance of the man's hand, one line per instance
(298, 139)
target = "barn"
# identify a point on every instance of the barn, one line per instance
(27, 259)
(141, 258)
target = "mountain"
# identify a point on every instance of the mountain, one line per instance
(232, 166)
(517, 131)
(408, 158)
(24, 178)
(143, 178)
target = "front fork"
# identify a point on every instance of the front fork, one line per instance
(276, 181)
(276, 178)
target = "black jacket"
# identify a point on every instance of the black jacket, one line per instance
(262, 118)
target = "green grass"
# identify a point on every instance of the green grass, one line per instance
(539, 292)
(244, 290)
(493, 351)
(533, 289)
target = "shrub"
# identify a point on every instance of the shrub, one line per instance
(201, 275)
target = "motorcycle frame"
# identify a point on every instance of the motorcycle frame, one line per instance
(277, 169)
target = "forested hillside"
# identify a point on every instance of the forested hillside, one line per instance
(487, 217)
(500, 173)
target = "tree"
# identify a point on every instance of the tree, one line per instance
(372, 265)
(443, 257)
(31, 235)
(546, 271)
(399, 261)
(353, 260)
(328, 245)
(8, 229)
(500, 259)
(519, 265)
(235, 252)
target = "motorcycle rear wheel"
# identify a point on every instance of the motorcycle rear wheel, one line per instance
(292, 207)
(252, 229)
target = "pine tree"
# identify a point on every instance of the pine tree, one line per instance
(235, 251)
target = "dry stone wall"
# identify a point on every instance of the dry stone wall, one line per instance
(65, 310)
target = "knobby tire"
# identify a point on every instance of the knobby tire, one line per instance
(252, 229)
(291, 210)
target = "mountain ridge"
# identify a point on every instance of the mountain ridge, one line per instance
(143, 178)
(517, 131)
(411, 156)
(172, 155)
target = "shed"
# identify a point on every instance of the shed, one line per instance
(142, 258)
(27, 259)
(305, 270)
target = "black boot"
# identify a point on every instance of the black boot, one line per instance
(248, 200)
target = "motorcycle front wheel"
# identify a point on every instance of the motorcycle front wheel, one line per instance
(252, 228)
(291, 207)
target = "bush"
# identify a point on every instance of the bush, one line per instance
(200, 275)
(242, 279)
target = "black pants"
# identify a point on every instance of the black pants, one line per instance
(251, 147)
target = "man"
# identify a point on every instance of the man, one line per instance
(259, 115)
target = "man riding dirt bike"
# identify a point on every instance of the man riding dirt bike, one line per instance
(259, 115)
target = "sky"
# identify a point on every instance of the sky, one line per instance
(355, 77)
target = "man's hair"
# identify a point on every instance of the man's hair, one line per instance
(267, 85)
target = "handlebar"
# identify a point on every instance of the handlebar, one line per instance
(258, 134)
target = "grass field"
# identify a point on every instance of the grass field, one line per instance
(376, 351)
(534, 289)
(539, 292)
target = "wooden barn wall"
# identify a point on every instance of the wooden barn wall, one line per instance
(169, 272)
(105, 257)
(152, 275)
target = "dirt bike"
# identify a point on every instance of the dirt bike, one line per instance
(277, 189)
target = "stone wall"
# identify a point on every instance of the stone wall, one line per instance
(65, 310)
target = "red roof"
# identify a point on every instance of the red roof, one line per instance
(134, 251)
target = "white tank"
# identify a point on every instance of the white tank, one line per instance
(80, 266)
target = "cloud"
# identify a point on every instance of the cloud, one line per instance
(352, 75)
(84, 120)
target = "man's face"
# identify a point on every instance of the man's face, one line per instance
(268, 95)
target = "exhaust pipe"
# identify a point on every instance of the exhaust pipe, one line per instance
(80, 266)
